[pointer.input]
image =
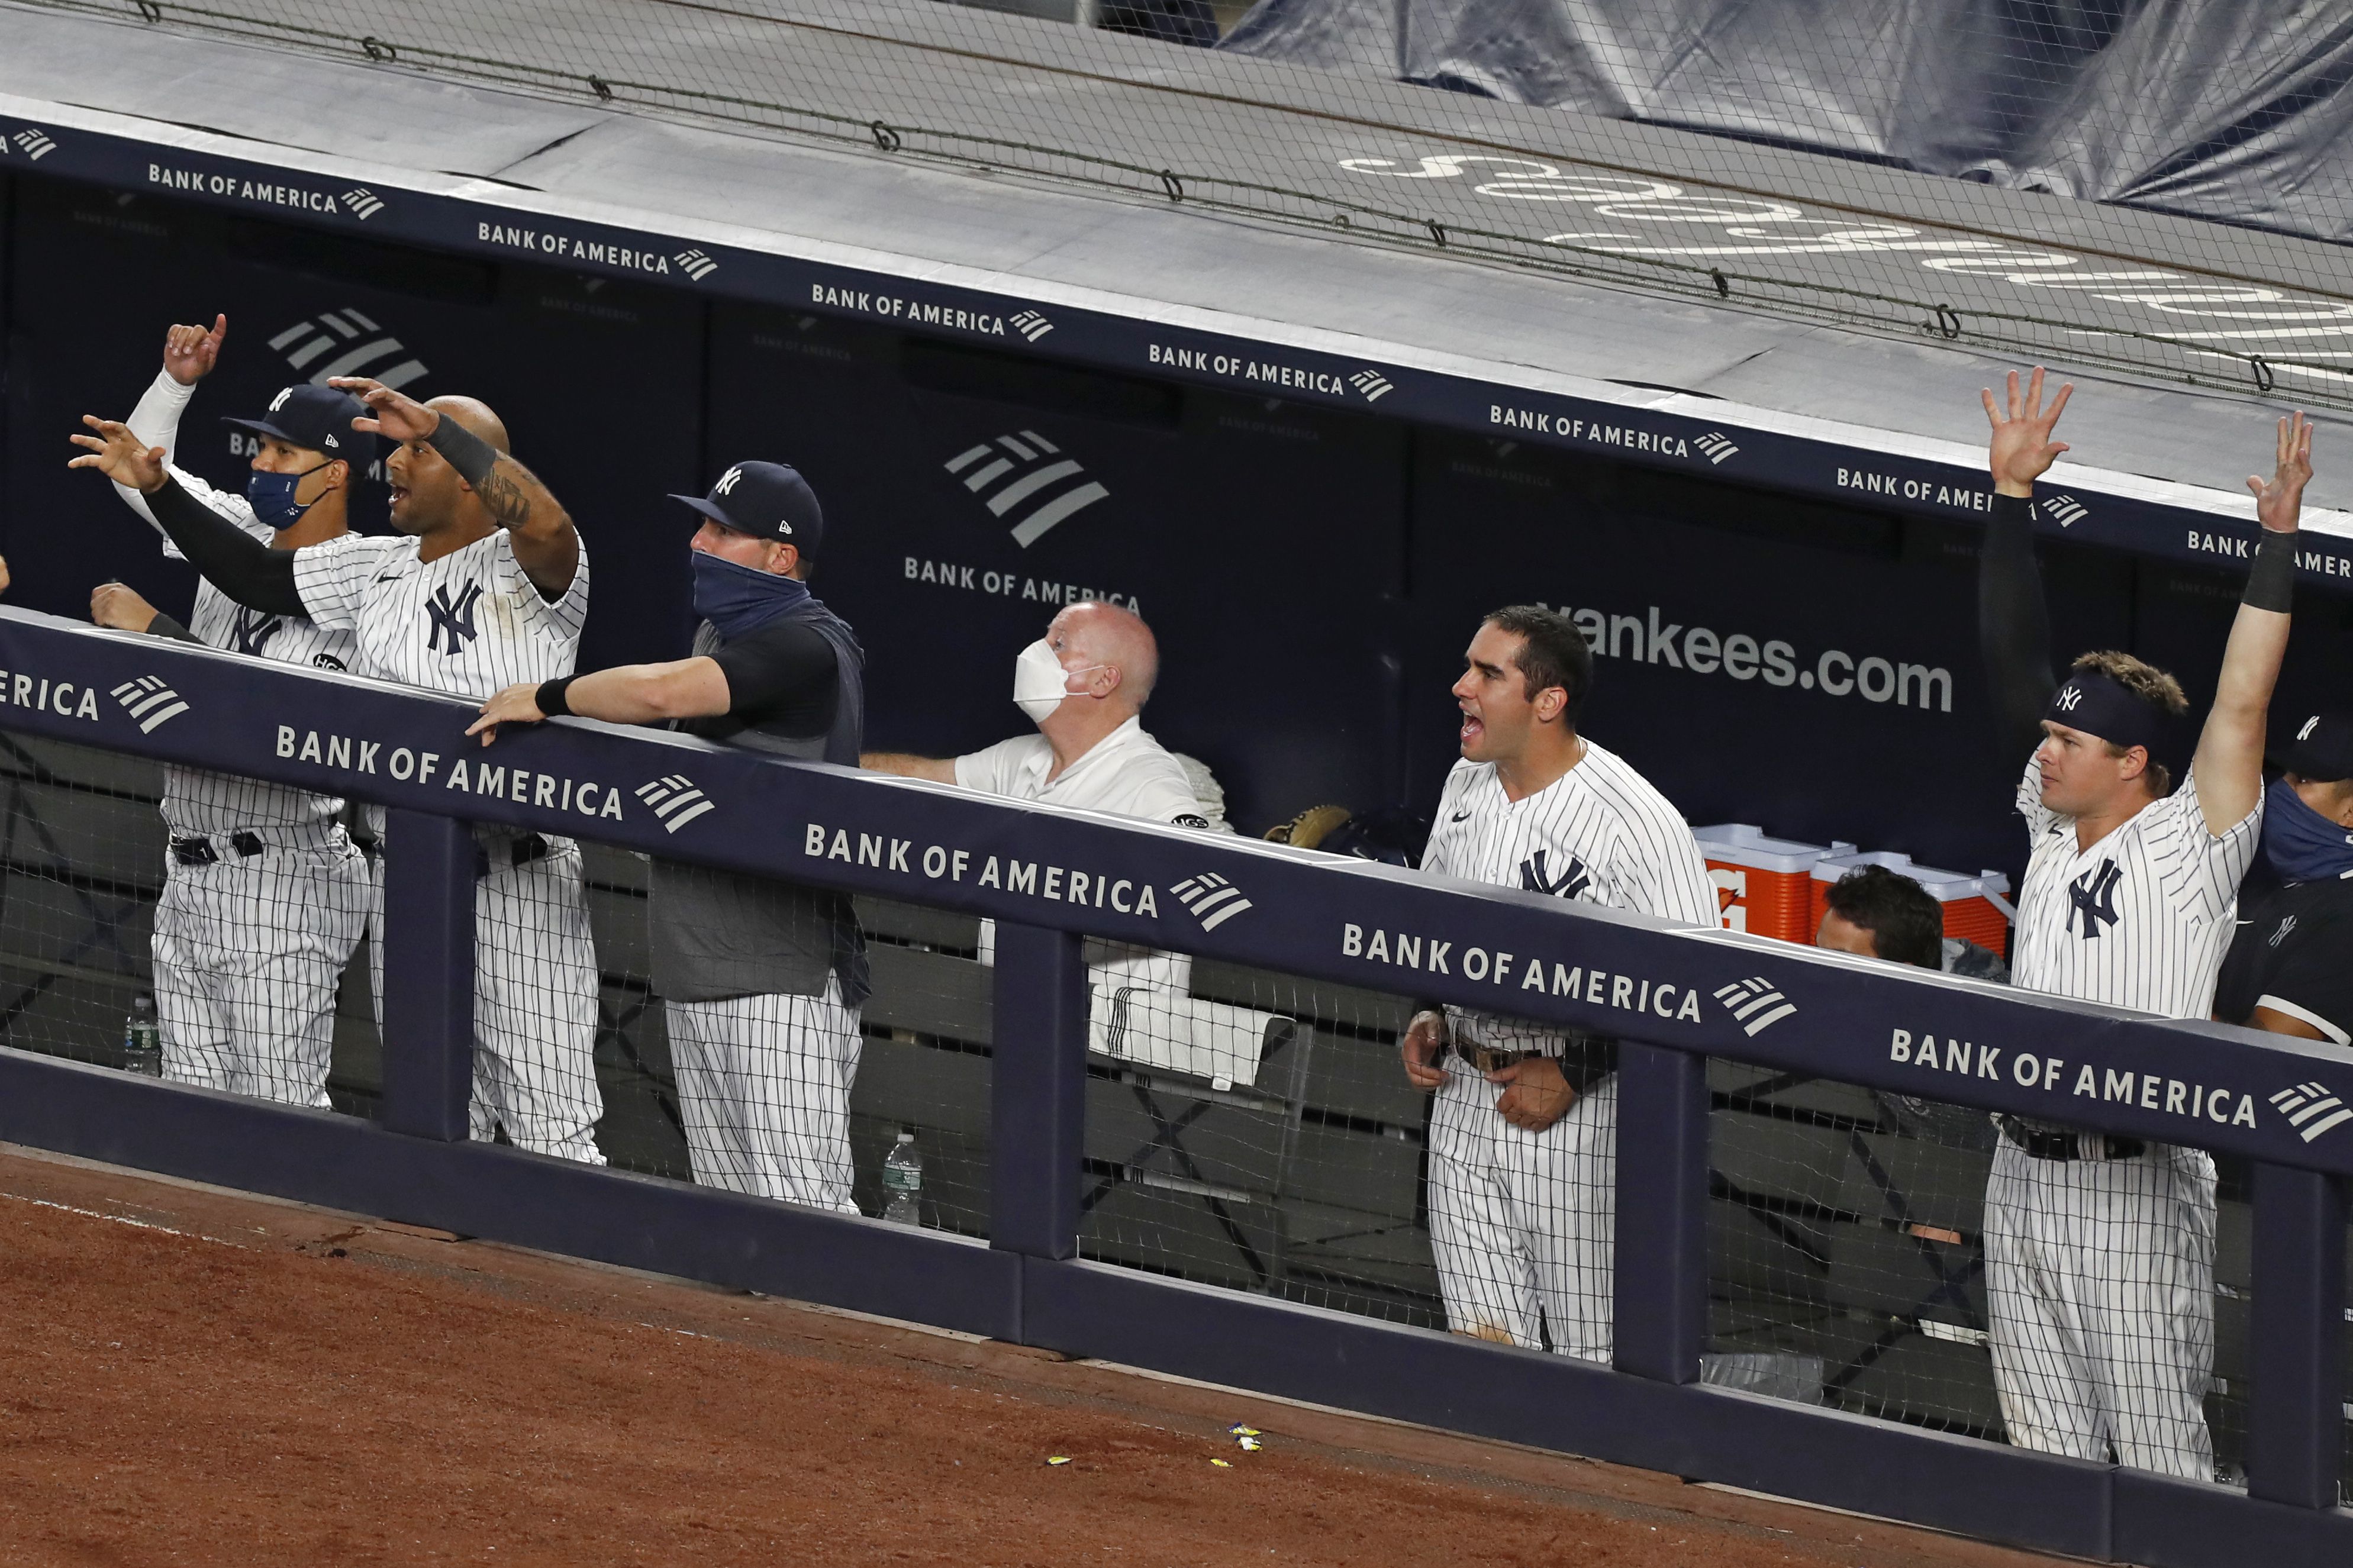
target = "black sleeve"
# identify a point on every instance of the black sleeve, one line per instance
(239, 565)
(787, 665)
(2013, 623)
(2314, 979)
(163, 626)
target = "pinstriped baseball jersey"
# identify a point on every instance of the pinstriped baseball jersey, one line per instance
(2139, 919)
(197, 802)
(1600, 833)
(468, 624)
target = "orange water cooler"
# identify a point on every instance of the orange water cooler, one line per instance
(1970, 911)
(1764, 885)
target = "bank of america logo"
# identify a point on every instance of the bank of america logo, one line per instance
(2067, 510)
(675, 800)
(697, 265)
(1372, 384)
(363, 202)
(1210, 898)
(1032, 325)
(1716, 447)
(35, 142)
(150, 702)
(345, 343)
(1027, 475)
(1756, 1005)
(2311, 1109)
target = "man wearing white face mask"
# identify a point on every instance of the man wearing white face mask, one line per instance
(1084, 684)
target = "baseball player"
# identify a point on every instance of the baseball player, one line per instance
(486, 584)
(2289, 968)
(264, 895)
(761, 981)
(1524, 1135)
(2100, 1250)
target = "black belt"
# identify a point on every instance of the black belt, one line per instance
(1488, 1060)
(522, 851)
(203, 852)
(2040, 1145)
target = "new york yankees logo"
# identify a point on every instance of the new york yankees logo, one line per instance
(1536, 876)
(454, 620)
(726, 485)
(2092, 898)
(2068, 696)
(253, 630)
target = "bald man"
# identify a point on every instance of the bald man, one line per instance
(485, 585)
(1085, 685)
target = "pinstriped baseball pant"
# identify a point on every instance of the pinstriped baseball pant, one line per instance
(247, 954)
(764, 1087)
(2100, 1296)
(1521, 1224)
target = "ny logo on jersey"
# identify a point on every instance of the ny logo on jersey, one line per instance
(455, 619)
(2092, 898)
(2286, 926)
(252, 629)
(1536, 876)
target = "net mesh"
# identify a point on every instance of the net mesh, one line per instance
(2185, 164)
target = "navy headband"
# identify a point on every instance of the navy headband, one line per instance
(2099, 705)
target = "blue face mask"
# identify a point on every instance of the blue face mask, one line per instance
(2301, 845)
(271, 496)
(740, 600)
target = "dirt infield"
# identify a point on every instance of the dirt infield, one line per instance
(188, 1376)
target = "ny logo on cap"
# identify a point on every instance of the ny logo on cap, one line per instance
(278, 402)
(2309, 726)
(2069, 695)
(726, 484)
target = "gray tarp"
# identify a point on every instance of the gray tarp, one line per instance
(2236, 110)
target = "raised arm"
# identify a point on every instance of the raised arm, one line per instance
(234, 562)
(2228, 767)
(545, 544)
(2013, 623)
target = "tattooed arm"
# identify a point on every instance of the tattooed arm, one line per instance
(469, 437)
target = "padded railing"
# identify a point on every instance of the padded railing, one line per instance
(1051, 879)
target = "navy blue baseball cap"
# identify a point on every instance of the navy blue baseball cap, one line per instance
(317, 419)
(2323, 749)
(766, 500)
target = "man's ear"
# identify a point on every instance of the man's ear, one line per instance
(1549, 704)
(2134, 764)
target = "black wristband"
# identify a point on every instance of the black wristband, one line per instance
(472, 457)
(2012, 505)
(2271, 583)
(550, 697)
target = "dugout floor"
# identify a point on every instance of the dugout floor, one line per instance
(197, 1376)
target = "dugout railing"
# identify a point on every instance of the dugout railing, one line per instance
(1059, 1129)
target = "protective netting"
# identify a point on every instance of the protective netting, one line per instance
(1877, 1253)
(2188, 159)
(240, 960)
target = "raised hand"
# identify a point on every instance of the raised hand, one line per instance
(2022, 448)
(2278, 503)
(122, 608)
(119, 454)
(190, 352)
(398, 418)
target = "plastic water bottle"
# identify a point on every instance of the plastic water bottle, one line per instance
(903, 1183)
(143, 1039)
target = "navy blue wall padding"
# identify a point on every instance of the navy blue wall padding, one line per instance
(1263, 541)
(599, 383)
